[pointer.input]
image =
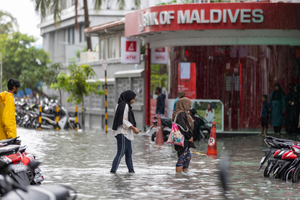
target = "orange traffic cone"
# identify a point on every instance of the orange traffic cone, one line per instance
(212, 142)
(159, 133)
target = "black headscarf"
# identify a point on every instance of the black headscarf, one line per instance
(291, 94)
(277, 94)
(124, 99)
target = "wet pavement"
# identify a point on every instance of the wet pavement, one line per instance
(83, 161)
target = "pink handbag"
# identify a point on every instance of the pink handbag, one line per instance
(176, 137)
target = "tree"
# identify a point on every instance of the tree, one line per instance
(42, 6)
(23, 61)
(7, 22)
(50, 76)
(77, 84)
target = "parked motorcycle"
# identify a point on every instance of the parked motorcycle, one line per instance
(11, 190)
(201, 127)
(13, 162)
(166, 127)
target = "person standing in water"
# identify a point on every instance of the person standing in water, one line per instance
(277, 108)
(186, 125)
(124, 126)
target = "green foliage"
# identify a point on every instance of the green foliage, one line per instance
(176, 2)
(51, 73)
(7, 22)
(159, 76)
(77, 84)
(77, 52)
(23, 61)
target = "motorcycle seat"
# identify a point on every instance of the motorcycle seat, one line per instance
(8, 150)
(59, 191)
(9, 141)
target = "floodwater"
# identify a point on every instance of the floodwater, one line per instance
(83, 161)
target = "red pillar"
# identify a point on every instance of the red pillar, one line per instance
(147, 83)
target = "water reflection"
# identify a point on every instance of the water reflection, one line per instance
(83, 160)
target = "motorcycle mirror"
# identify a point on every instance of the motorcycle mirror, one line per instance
(33, 165)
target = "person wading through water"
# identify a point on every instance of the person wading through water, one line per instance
(186, 126)
(123, 127)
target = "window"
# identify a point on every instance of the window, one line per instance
(103, 49)
(71, 35)
(112, 47)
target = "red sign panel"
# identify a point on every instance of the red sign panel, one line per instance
(213, 16)
(131, 46)
(160, 49)
(187, 79)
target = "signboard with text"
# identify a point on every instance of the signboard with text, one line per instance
(159, 56)
(213, 16)
(130, 50)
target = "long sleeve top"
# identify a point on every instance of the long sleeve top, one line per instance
(8, 125)
(160, 104)
(125, 127)
(183, 122)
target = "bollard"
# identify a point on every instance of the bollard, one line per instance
(40, 117)
(76, 117)
(159, 133)
(212, 142)
(57, 117)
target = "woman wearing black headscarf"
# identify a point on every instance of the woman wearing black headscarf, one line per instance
(291, 117)
(123, 126)
(277, 107)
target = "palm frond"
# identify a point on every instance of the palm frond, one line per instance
(98, 4)
(122, 4)
(137, 3)
(7, 22)
(56, 9)
(41, 6)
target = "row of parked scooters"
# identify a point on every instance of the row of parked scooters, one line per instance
(27, 116)
(282, 158)
(20, 176)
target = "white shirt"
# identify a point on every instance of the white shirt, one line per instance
(210, 116)
(124, 128)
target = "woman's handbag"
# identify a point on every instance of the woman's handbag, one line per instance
(176, 137)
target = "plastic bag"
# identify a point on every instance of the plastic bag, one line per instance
(176, 137)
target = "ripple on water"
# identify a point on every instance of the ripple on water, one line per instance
(83, 161)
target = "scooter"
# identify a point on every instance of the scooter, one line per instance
(166, 123)
(49, 120)
(14, 160)
(11, 190)
(274, 144)
(201, 127)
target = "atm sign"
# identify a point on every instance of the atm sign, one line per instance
(130, 46)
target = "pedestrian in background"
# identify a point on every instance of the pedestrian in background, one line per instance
(277, 108)
(264, 118)
(8, 125)
(123, 127)
(186, 125)
(160, 101)
(181, 94)
(291, 108)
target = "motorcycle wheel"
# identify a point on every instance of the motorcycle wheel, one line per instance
(267, 170)
(288, 174)
(296, 175)
(35, 124)
(276, 175)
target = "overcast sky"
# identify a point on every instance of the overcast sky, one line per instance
(27, 18)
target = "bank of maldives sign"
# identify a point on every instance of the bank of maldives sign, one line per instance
(130, 50)
(213, 16)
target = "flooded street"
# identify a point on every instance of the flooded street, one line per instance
(83, 161)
